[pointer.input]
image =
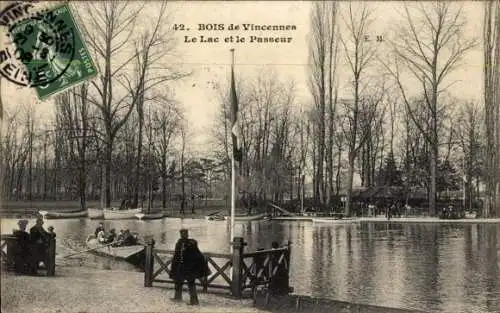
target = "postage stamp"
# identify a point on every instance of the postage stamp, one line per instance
(47, 52)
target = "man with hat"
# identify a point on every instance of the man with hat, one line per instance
(39, 238)
(188, 264)
(22, 254)
(99, 229)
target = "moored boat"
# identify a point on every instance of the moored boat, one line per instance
(110, 214)
(94, 213)
(149, 216)
(132, 254)
(56, 215)
(215, 216)
(336, 220)
(253, 217)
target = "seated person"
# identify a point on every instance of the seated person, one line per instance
(110, 237)
(22, 253)
(129, 239)
(39, 239)
(38, 234)
(99, 228)
(51, 231)
(101, 237)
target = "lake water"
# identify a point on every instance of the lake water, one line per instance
(432, 267)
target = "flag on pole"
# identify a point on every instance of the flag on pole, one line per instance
(235, 130)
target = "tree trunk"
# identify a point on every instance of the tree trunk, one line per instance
(350, 178)
(107, 174)
(433, 178)
(337, 175)
(140, 111)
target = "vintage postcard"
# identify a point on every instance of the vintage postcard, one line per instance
(250, 156)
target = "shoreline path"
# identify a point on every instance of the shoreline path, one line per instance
(83, 289)
(80, 289)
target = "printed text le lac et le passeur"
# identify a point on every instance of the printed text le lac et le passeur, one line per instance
(236, 33)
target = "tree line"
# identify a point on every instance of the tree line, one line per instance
(394, 123)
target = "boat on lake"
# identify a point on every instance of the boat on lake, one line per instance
(253, 217)
(115, 214)
(215, 216)
(133, 254)
(94, 213)
(333, 220)
(56, 215)
(149, 216)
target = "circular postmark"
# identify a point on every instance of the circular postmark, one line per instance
(43, 47)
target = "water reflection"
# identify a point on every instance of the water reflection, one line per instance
(431, 267)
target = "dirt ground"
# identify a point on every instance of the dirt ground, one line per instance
(80, 289)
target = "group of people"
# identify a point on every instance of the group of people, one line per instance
(32, 246)
(124, 238)
(188, 263)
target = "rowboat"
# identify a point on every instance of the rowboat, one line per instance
(215, 216)
(55, 215)
(336, 220)
(110, 214)
(132, 254)
(253, 217)
(149, 216)
(95, 213)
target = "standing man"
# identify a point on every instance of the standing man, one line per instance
(39, 238)
(22, 254)
(188, 264)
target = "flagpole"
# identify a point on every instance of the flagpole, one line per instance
(233, 179)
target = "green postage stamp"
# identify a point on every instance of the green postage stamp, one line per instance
(51, 49)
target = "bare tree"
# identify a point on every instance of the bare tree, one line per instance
(108, 28)
(165, 121)
(150, 51)
(431, 45)
(111, 28)
(362, 108)
(469, 130)
(323, 48)
(491, 45)
(184, 137)
(73, 114)
(10, 149)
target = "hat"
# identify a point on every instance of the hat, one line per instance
(22, 222)
(183, 230)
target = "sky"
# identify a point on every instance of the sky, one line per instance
(211, 61)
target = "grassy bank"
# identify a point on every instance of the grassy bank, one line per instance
(27, 209)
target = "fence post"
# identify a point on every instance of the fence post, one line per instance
(237, 260)
(51, 257)
(288, 256)
(148, 263)
(12, 244)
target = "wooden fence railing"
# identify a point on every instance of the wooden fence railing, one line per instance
(9, 247)
(269, 268)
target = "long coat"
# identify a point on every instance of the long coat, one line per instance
(188, 262)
